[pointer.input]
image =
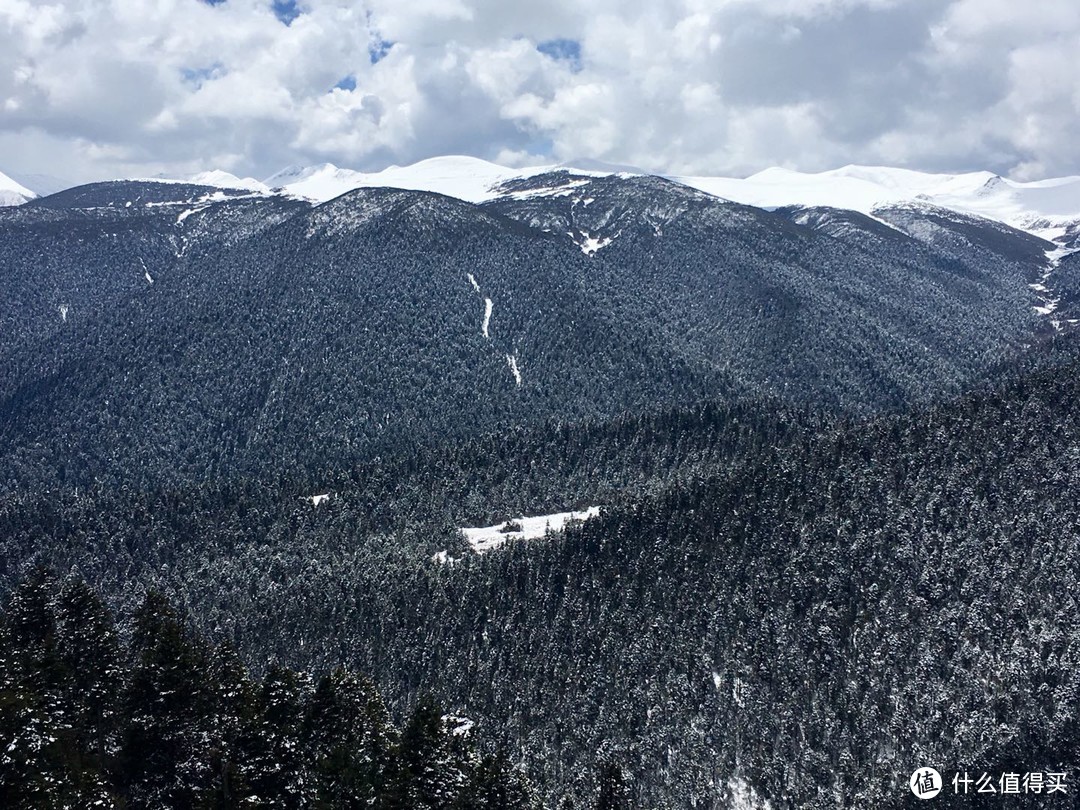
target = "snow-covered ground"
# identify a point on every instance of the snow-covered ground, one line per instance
(220, 179)
(1035, 206)
(488, 306)
(512, 361)
(485, 538)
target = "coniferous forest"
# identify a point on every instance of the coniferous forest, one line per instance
(835, 459)
(164, 719)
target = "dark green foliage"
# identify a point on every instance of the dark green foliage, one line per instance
(179, 723)
(613, 794)
(766, 611)
(59, 668)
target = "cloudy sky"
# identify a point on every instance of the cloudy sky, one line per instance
(103, 88)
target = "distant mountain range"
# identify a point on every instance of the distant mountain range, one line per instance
(1047, 208)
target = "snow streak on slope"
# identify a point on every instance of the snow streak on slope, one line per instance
(590, 244)
(488, 306)
(511, 360)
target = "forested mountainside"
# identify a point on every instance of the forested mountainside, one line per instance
(172, 333)
(773, 607)
(834, 452)
(870, 316)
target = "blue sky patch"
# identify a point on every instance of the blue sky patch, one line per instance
(562, 50)
(286, 10)
(379, 49)
(197, 77)
(348, 83)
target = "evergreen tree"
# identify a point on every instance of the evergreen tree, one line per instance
(613, 794)
(167, 741)
(274, 764)
(347, 736)
(427, 777)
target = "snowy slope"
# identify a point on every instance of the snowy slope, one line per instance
(220, 179)
(1040, 207)
(466, 178)
(12, 193)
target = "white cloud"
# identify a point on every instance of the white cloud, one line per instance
(103, 87)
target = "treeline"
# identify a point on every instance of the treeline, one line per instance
(158, 718)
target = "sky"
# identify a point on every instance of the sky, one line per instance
(91, 89)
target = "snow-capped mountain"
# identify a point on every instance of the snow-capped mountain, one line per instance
(1047, 208)
(1044, 207)
(13, 193)
(221, 179)
(465, 178)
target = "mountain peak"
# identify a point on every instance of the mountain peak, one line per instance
(222, 179)
(13, 193)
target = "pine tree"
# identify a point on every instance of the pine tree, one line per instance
(348, 739)
(45, 761)
(613, 793)
(494, 785)
(231, 702)
(89, 648)
(426, 777)
(167, 739)
(273, 763)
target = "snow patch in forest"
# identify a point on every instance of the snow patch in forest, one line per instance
(1047, 303)
(590, 244)
(473, 281)
(487, 317)
(744, 797)
(149, 280)
(443, 558)
(63, 312)
(458, 726)
(318, 499)
(485, 538)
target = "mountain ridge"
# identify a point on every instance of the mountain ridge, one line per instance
(1047, 208)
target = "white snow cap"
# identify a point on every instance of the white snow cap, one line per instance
(12, 193)
(1037, 206)
(1029, 206)
(220, 179)
(466, 178)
